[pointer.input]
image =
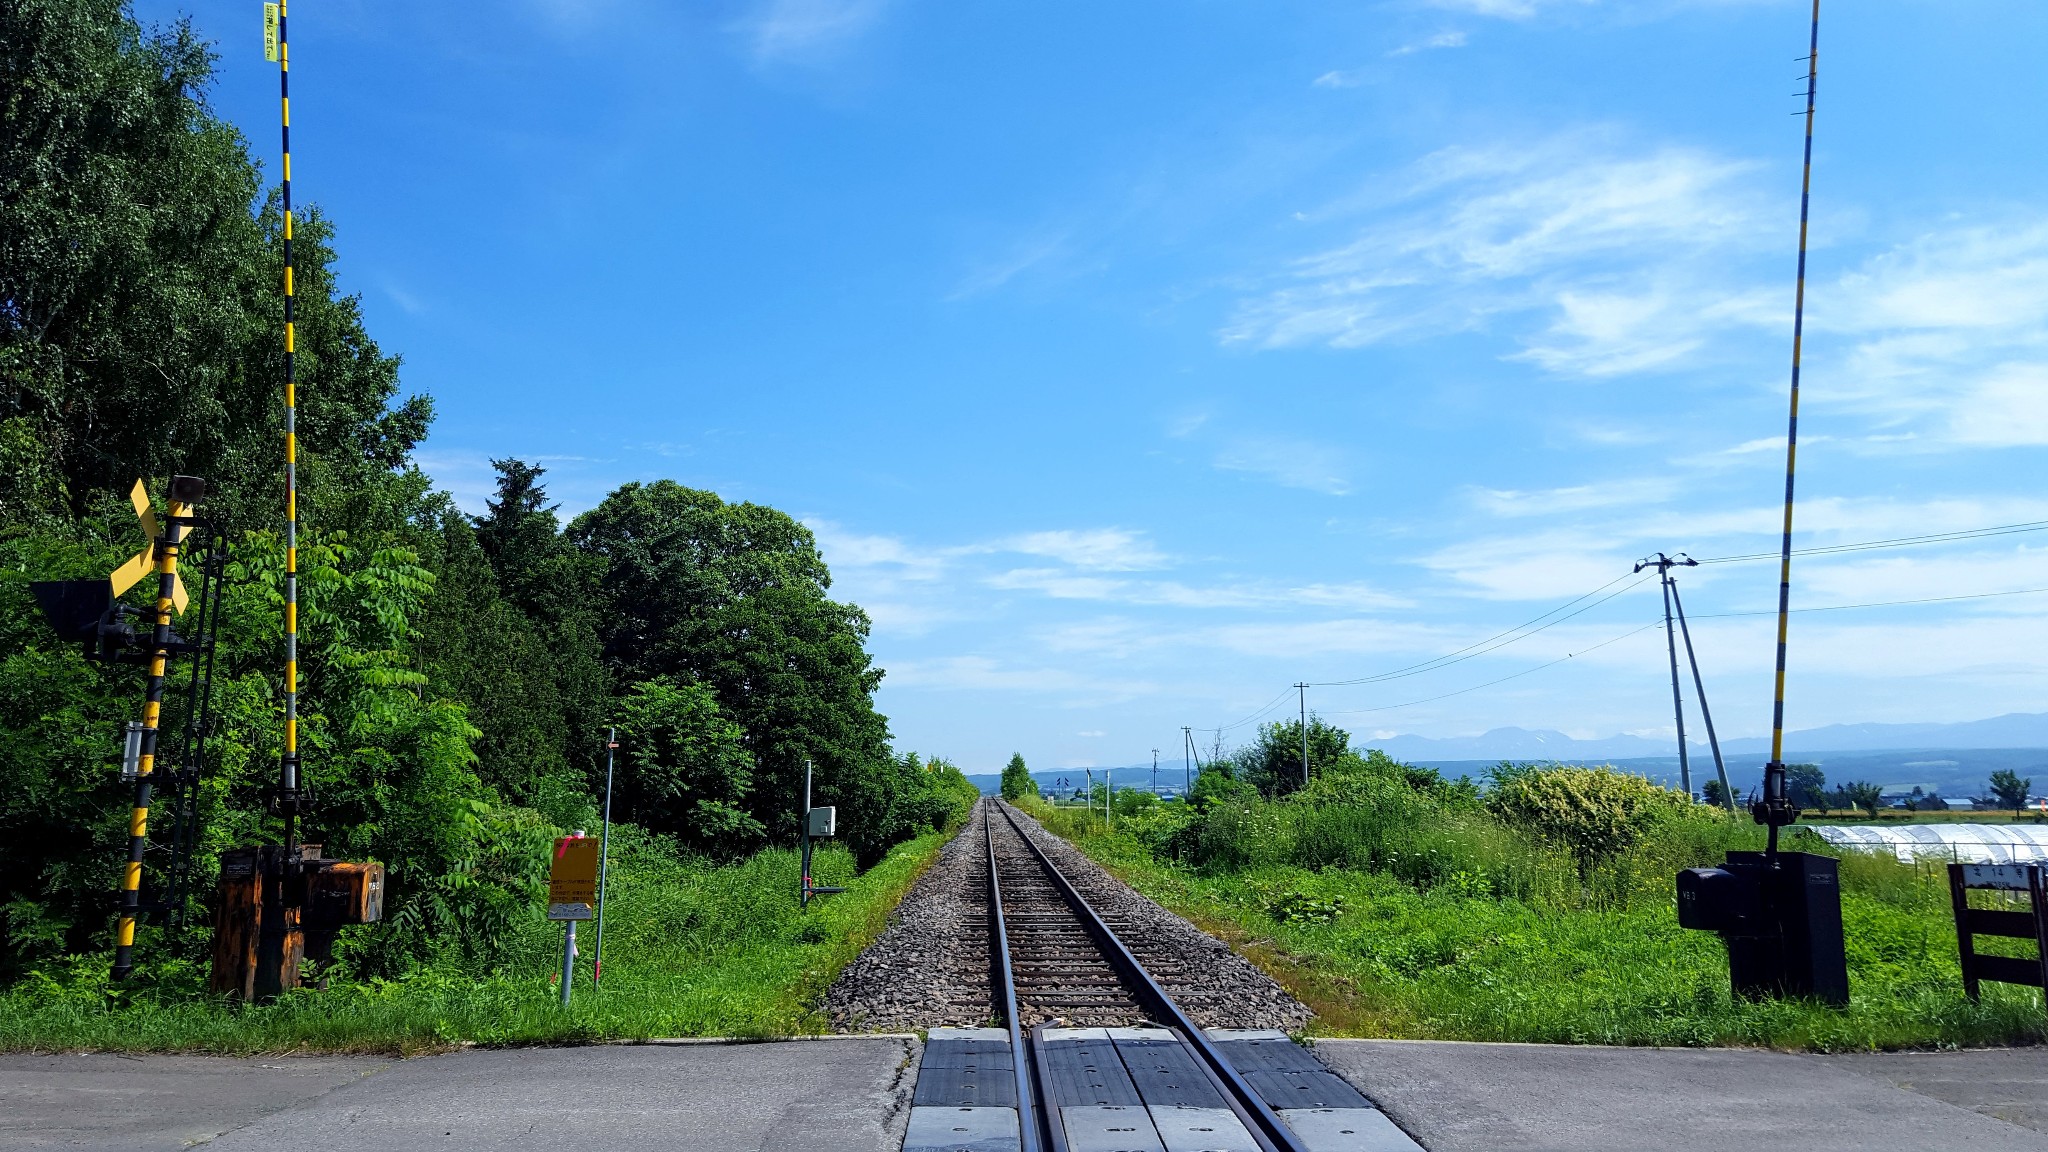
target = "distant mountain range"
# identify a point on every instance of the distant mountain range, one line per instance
(1937, 755)
(2013, 730)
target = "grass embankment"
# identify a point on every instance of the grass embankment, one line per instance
(690, 950)
(1452, 958)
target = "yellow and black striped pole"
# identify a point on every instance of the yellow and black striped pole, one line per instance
(288, 776)
(145, 765)
(1775, 809)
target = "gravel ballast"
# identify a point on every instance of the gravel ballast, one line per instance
(930, 967)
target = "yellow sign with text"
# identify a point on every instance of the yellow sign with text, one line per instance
(270, 32)
(572, 881)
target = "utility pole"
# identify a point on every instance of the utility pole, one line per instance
(1187, 753)
(1301, 690)
(1155, 771)
(1663, 564)
(1699, 688)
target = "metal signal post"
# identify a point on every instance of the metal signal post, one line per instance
(288, 801)
(1775, 809)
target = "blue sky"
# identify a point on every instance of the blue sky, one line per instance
(1135, 361)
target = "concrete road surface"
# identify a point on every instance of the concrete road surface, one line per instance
(1536, 1098)
(808, 1095)
(851, 1095)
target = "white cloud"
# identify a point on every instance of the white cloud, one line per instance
(795, 29)
(1440, 40)
(1617, 251)
(1577, 498)
(1338, 79)
(2010, 407)
(1289, 462)
(1105, 549)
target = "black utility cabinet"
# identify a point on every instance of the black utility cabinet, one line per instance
(1781, 917)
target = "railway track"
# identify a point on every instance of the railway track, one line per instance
(1094, 1054)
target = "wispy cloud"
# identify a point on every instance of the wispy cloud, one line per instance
(1289, 462)
(797, 29)
(1440, 40)
(1636, 492)
(1103, 549)
(1340, 79)
(1618, 252)
(1946, 335)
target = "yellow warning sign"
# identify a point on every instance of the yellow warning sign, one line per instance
(572, 881)
(270, 32)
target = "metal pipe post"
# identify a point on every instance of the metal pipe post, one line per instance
(568, 959)
(604, 857)
(1301, 690)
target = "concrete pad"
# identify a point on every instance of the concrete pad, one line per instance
(1158, 1035)
(2009, 1084)
(110, 1103)
(1184, 1129)
(783, 1097)
(1110, 1128)
(962, 1130)
(1455, 1097)
(1347, 1130)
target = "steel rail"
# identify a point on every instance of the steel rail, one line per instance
(1265, 1125)
(1005, 984)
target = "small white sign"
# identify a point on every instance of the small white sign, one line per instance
(2011, 877)
(570, 912)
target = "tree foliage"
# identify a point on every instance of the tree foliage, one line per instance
(1272, 762)
(1594, 813)
(458, 671)
(1017, 781)
(2011, 788)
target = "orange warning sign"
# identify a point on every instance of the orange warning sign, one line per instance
(572, 881)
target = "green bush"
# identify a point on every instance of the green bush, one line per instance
(1593, 813)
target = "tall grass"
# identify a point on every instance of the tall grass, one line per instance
(1401, 916)
(691, 949)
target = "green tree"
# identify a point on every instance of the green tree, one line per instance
(733, 597)
(2011, 789)
(1861, 794)
(1017, 779)
(687, 769)
(1806, 785)
(1714, 794)
(1272, 762)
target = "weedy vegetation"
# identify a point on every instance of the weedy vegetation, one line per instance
(1539, 908)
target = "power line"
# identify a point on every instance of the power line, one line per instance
(1894, 542)
(1875, 604)
(1515, 676)
(1496, 641)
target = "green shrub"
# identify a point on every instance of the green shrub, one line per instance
(1593, 813)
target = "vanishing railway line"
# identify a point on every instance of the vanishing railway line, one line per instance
(1099, 1050)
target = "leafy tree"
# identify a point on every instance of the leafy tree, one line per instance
(1272, 762)
(1861, 794)
(687, 769)
(1714, 794)
(1017, 779)
(1805, 784)
(733, 597)
(2011, 789)
(1217, 783)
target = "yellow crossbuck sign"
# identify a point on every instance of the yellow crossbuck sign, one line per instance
(144, 562)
